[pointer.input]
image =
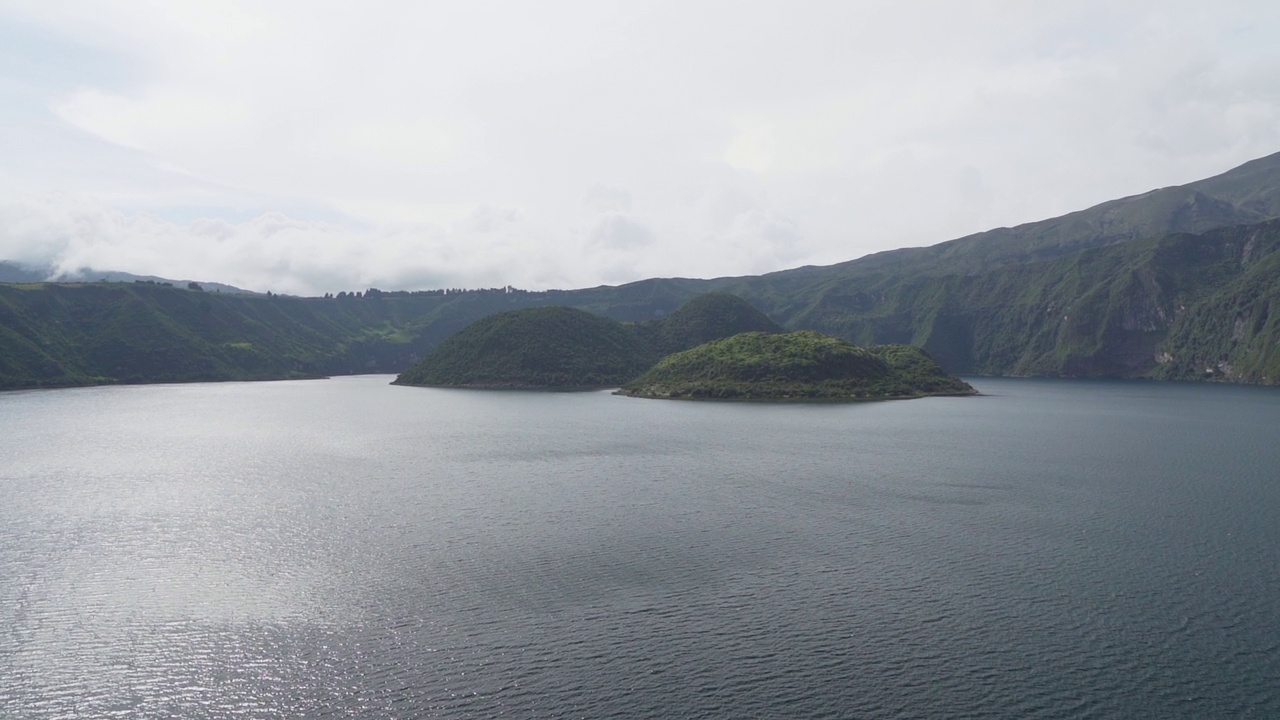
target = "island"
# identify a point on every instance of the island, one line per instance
(796, 366)
(705, 317)
(562, 348)
(535, 348)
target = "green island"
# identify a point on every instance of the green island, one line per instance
(706, 317)
(535, 348)
(803, 365)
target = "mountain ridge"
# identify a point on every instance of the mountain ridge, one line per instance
(13, 272)
(1165, 284)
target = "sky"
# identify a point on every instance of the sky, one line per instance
(311, 147)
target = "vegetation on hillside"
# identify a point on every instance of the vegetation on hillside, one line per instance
(1169, 284)
(54, 334)
(706, 317)
(803, 365)
(550, 347)
(560, 347)
(1174, 307)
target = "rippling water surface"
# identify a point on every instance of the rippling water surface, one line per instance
(345, 548)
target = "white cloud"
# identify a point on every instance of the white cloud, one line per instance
(278, 252)
(417, 143)
(752, 148)
(486, 218)
(602, 198)
(718, 206)
(619, 230)
(753, 236)
(149, 123)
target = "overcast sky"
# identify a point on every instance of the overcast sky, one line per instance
(305, 147)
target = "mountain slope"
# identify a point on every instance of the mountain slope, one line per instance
(90, 333)
(1167, 284)
(1244, 195)
(1166, 307)
(11, 272)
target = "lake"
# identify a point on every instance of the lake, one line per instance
(346, 548)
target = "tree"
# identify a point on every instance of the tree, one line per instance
(194, 286)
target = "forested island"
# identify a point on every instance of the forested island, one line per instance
(536, 348)
(803, 365)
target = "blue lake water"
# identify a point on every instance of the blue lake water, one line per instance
(345, 548)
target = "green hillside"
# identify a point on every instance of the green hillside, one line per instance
(802, 365)
(561, 347)
(1177, 283)
(91, 333)
(1173, 307)
(706, 317)
(550, 347)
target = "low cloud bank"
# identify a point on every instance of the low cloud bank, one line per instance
(489, 247)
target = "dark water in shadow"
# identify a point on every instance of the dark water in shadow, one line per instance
(345, 548)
